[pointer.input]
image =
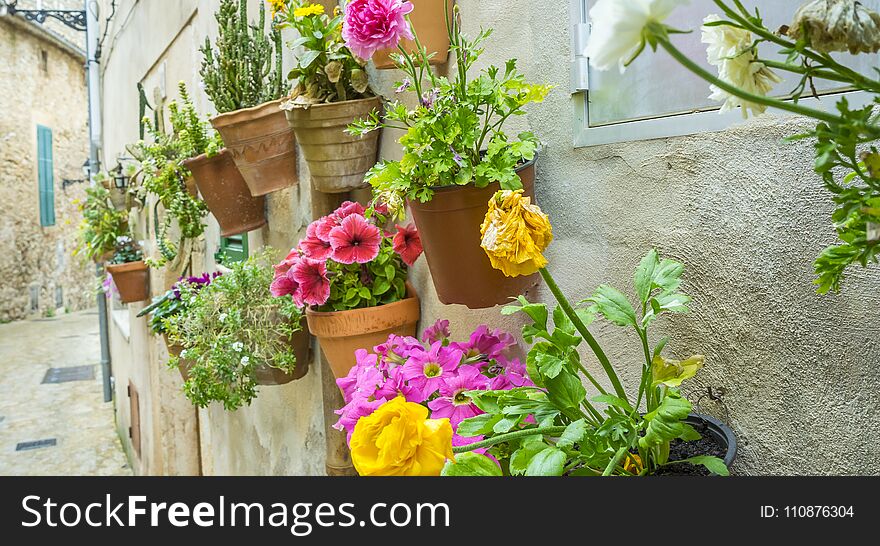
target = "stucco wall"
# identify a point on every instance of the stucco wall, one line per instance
(31, 255)
(742, 210)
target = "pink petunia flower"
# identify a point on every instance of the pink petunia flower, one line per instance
(323, 227)
(347, 209)
(355, 240)
(426, 369)
(284, 266)
(408, 244)
(314, 247)
(373, 25)
(453, 402)
(312, 278)
(439, 331)
(283, 285)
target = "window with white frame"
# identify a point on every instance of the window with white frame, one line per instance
(657, 97)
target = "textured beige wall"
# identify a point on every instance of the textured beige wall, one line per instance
(31, 254)
(741, 209)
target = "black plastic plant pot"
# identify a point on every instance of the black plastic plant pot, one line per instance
(720, 432)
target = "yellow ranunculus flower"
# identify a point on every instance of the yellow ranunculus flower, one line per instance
(305, 11)
(398, 439)
(277, 5)
(515, 234)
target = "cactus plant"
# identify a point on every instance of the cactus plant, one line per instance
(243, 68)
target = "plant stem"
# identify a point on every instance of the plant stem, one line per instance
(509, 436)
(812, 72)
(612, 464)
(582, 329)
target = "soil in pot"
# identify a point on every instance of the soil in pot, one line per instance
(337, 161)
(449, 226)
(341, 333)
(262, 145)
(132, 280)
(226, 194)
(679, 449)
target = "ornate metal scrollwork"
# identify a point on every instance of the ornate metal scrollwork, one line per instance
(75, 19)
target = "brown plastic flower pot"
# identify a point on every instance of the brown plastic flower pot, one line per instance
(301, 343)
(226, 193)
(337, 161)
(429, 21)
(132, 280)
(341, 333)
(262, 146)
(449, 226)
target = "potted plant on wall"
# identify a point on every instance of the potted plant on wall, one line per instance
(352, 276)
(237, 336)
(101, 226)
(130, 274)
(455, 156)
(330, 90)
(242, 77)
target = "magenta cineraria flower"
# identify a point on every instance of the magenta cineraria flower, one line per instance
(363, 379)
(397, 385)
(453, 402)
(398, 347)
(439, 331)
(373, 25)
(426, 369)
(355, 240)
(512, 375)
(488, 344)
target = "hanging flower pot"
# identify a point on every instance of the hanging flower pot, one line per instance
(449, 225)
(337, 161)
(226, 194)
(341, 333)
(429, 23)
(301, 344)
(132, 280)
(262, 145)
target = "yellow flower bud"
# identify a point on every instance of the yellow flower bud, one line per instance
(398, 439)
(515, 234)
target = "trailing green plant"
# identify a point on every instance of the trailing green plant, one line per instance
(171, 303)
(243, 67)
(102, 224)
(326, 71)
(163, 173)
(126, 251)
(456, 134)
(230, 328)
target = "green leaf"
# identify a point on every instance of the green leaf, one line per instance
(381, 286)
(562, 322)
(644, 276)
(389, 271)
(365, 292)
(471, 464)
(573, 434)
(549, 462)
(479, 425)
(615, 401)
(308, 58)
(667, 275)
(536, 311)
(665, 423)
(712, 464)
(614, 306)
(520, 459)
(549, 364)
(566, 392)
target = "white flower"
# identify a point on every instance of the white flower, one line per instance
(192, 300)
(616, 30)
(730, 49)
(237, 346)
(183, 353)
(245, 360)
(222, 317)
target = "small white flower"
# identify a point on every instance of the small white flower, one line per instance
(192, 300)
(237, 346)
(730, 49)
(222, 317)
(616, 29)
(183, 353)
(245, 360)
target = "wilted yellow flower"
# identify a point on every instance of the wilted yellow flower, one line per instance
(633, 464)
(398, 439)
(837, 25)
(672, 372)
(305, 11)
(515, 234)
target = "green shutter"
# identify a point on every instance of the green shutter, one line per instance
(45, 176)
(233, 249)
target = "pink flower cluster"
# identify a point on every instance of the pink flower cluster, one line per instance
(434, 372)
(346, 236)
(373, 25)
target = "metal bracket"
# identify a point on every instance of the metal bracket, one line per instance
(75, 19)
(580, 66)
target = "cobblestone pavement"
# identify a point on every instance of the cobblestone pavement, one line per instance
(72, 413)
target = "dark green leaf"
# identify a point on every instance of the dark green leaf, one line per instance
(573, 434)
(471, 464)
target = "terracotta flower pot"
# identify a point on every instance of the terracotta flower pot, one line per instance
(337, 161)
(175, 350)
(132, 280)
(301, 343)
(341, 333)
(449, 226)
(429, 20)
(262, 146)
(226, 193)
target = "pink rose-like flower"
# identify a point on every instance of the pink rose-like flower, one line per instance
(453, 403)
(312, 278)
(355, 240)
(373, 25)
(408, 244)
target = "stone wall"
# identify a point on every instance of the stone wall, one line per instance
(52, 94)
(798, 372)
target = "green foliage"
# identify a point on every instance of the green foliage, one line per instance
(569, 434)
(471, 464)
(325, 71)
(456, 135)
(230, 328)
(126, 251)
(102, 224)
(161, 166)
(379, 282)
(243, 67)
